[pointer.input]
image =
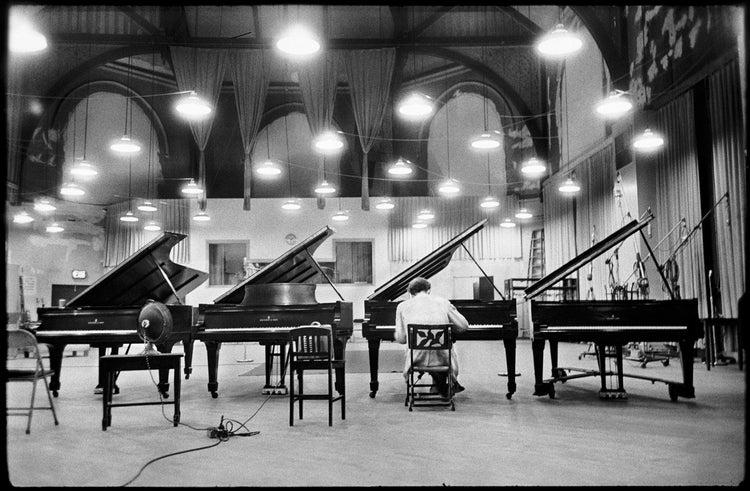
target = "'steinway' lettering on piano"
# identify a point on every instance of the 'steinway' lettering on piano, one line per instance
(95, 322)
(268, 318)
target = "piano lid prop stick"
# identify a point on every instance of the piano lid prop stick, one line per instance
(480, 269)
(320, 270)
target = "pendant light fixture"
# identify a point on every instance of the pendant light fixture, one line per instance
(533, 167)
(488, 140)
(425, 215)
(72, 189)
(418, 225)
(201, 216)
(614, 105)
(507, 223)
(325, 188)
(84, 168)
(341, 215)
(152, 226)
(291, 203)
(24, 37)
(54, 228)
(191, 188)
(329, 142)
(385, 204)
(192, 107)
(401, 168)
(22, 217)
(147, 205)
(450, 186)
(415, 106)
(648, 141)
(490, 201)
(523, 213)
(297, 41)
(559, 43)
(269, 168)
(126, 145)
(129, 216)
(44, 205)
(570, 185)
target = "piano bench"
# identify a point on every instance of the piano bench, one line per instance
(111, 365)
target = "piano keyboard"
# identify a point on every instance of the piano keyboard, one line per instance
(97, 332)
(471, 326)
(242, 330)
(616, 328)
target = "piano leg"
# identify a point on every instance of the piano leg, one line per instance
(607, 393)
(556, 373)
(163, 385)
(541, 388)
(114, 349)
(687, 358)
(212, 355)
(339, 353)
(373, 346)
(280, 386)
(510, 360)
(55, 361)
(187, 344)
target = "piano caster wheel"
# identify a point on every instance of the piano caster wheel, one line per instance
(552, 393)
(54, 393)
(372, 394)
(165, 395)
(665, 363)
(509, 395)
(673, 393)
(117, 390)
(214, 394)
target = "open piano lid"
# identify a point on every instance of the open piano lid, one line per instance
(589, 254)
(294, 266)
(426, 267)
(148, 274)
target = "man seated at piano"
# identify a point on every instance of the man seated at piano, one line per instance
(423, 308)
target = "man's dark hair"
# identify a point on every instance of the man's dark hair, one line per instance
(418, 285)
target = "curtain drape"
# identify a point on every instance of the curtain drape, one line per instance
(369, 73)
(559, 224)
(451, 218)
(201, 70)
(250, 76)
(317, 82)
(678, 196)
(121, 240)
(13, 111)
(727, 133)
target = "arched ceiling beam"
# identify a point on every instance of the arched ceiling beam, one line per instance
(145, 24)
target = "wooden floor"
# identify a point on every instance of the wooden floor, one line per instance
(575, 439)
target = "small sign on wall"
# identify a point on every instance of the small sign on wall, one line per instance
(29, 284)
(79, 274)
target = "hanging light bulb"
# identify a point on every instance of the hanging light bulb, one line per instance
(533, 167)
(570, 186)
(507, 223)
(152, 226)
(486, 141)
(129, 217)
(268, 168)
(648, 141)
(191, 188)
(54, 228)
(147, 206)
(523, 214)
(24, 38)
(615, 105)
(325, 188)
(400, 168)
(415, 106)
(449, 186)
(22, 217)
(291, 204)
(201, 216)
(125, 145)
(385, 204)
(425, 215)
(559, 42)
(329, 142)
(489, 202)
(72, 189)
(193, 107)
(418, 225)
(83, 169)
(44, 205)
(298, 41)
(340, 216)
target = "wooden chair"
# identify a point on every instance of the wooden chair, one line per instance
(21, 340)
(312, 349)
(430, 337)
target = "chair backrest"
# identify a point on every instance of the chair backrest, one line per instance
(312, 343)
(429, 336)
(21, 339)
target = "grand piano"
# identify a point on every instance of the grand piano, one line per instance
(266, 306)
(488, 320)
(105, 315)
(610, 324)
